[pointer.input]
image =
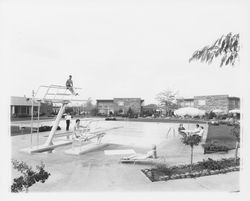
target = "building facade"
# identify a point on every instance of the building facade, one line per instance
(119, 106)
(105, 106)
(149, 110)
(22, 107)
(187, 102)
(210, 103)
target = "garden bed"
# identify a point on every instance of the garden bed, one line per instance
(212, 147)
(203, 168)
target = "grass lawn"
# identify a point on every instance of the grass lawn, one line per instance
(221, 135)
(14, 130)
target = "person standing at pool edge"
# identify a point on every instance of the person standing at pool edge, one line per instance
(69, 85)
(68, 118)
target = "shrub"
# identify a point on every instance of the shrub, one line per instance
(202, 168)
(164, 169)
(29, 177)
(211, 147)
(236, 133)
(191, 140)
(211, 164)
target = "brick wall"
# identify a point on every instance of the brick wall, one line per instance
(124, 104)
(105, 107)
(210, 103)
(234, 103)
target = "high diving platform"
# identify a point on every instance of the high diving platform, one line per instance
(61, 96)
(54, 94)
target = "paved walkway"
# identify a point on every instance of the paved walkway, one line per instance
(98, 172)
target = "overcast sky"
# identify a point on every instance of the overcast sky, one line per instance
(119, 48)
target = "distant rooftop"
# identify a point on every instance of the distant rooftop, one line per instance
(112, 100)
(224, 95)
(104, 100)
(21, 101)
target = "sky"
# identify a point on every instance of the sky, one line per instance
(119, 48)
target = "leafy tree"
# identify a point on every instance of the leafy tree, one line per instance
(211, 115)
(167, 100)
(29, 177)
(88, 106)
(236, 133)
(191, 140)
(94, 111)
(226, 47)
(130, 113)
(69, 110)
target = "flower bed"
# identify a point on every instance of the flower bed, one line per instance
(212, 148)
(203, 168)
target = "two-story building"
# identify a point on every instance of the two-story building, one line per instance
(119, 105)
(210, 103)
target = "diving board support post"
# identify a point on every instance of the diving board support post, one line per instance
(57, 121)
(32, 119)
(38, 118)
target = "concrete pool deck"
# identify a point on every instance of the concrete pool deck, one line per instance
(96, 171)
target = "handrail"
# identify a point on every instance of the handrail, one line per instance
(61, 87)
(169, 130)
(62, 100)
(55, 99)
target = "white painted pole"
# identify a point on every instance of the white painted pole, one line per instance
(38, 118)
(32, 111)
(56, 123)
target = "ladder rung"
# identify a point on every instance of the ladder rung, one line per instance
(56, 100)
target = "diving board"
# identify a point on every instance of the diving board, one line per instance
(86, 143)
(85, 149)
(60, 94)
(119, 152)
(44, 147)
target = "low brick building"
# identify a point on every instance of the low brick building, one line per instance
(105, 106)
(210, 103)
(119, 105)
(21, 106)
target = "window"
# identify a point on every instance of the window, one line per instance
(201, 102)
(17, 109)
(23, 109)
(120, 103)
